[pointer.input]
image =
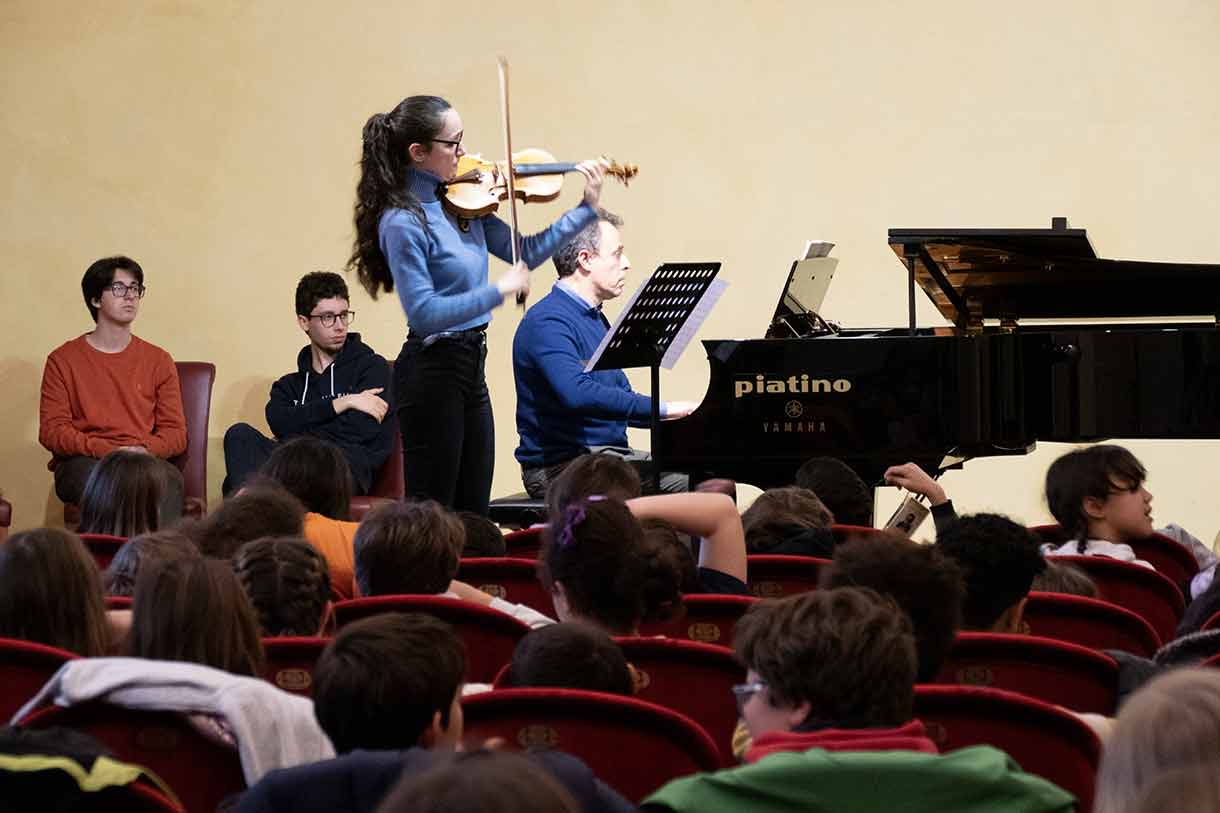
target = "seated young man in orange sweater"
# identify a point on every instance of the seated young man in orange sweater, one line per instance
(109, 389)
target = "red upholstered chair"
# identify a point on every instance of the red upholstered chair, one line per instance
(102, 547)
(25, 668)
(633, 746)
(775, 576)
(707, 618)
(195, 379)
(525, 543)
(1211, 623)
(514, 580)
(1168, 556)
(842, 533)
(1055, 672)
(133, 798)
(490, 635)
(6, 518)
(200, 772)
(118, 602)
(389, 481)
(1044, 740)
(691, 678)
(290, 661)
(1090, 622)
(1139, 589)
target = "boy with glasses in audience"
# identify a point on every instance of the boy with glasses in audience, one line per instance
(339, 392)
(109, 389)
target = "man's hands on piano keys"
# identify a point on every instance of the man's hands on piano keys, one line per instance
(677, 409)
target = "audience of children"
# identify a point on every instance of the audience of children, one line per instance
(827, 700)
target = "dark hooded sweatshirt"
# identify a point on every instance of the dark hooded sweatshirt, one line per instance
(301, 405)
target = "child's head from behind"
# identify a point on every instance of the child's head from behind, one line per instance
(407, 548)
(1098, 493)
(391, 681)
(571, 656)
(194, 610)
(122, 496)
(599, 569)
(287, 583)
(51, 592)
(604, 474)
(155, 546)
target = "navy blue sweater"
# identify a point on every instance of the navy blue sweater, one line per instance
(562, 410)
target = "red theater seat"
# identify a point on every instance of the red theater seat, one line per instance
(707, 618)
(1139, 589)
(631, 745)
(776, 576)
(1043, 739)
(1052, 671)
(102, 547)
(490, 635)
(511, 579)
(1090, 622)
(290, 661)
(25, 668)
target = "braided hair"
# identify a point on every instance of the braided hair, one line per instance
(287, 582)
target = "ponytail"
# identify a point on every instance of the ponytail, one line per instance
(384, 166)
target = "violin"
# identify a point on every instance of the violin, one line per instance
(480, 185)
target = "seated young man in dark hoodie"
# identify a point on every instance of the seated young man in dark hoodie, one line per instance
(340, 392)
(828, 701)
(387, 692)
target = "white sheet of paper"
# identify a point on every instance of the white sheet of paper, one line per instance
(697, 317)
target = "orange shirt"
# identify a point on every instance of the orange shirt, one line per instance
(333, 539)
(93, 402)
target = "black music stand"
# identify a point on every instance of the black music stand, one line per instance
(644, 332)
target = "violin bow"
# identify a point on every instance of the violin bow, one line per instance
(508, 176)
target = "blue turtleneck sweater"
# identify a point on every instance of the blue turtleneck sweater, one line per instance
(440, 271)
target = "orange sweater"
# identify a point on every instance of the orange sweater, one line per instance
(333, 539)
(93, 402)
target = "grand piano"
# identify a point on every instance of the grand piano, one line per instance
(987, 385)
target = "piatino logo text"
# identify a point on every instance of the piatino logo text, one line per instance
(793, 384)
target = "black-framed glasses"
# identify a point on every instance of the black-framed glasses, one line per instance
(119, 291)
(742, 692)
(328, 319)
(450, 142)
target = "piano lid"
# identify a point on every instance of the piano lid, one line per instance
(1011, 274)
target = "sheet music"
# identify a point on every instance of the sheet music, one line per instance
(605, 342)
(697, 317)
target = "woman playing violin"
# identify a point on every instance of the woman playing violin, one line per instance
(437, 262)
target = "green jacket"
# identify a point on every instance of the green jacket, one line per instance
(980, 778)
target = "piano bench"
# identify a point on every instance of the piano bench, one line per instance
(517, 511)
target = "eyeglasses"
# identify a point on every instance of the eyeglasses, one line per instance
(328, 319)
(119, 291)
(450, 142)
(744, 691)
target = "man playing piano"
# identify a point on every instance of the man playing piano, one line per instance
(562, 411)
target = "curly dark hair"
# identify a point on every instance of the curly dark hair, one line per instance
(384, 164)
(926, 584)
(316, 472)
(777, 512)
(999, 559)
(848, 652)
(287, 582)
(839, 487)
(611, 576)
(316, 286)
(262, 508)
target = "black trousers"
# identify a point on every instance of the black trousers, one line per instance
(246, 450)
(444, 411)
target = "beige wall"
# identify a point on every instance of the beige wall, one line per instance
(216, 142)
